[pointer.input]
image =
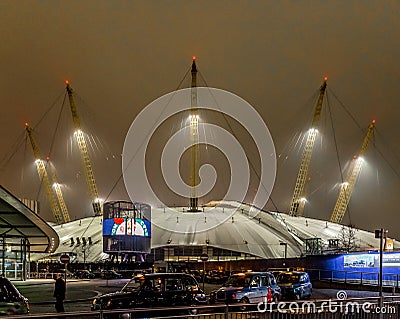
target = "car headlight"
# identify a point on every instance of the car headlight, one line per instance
(94, 301)
(108, 304)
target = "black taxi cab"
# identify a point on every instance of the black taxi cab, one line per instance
(154, 290)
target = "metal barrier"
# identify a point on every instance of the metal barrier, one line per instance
(355, 308)
(365, 278)
(47, 275)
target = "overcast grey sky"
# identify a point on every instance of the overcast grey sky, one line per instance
(121, 55)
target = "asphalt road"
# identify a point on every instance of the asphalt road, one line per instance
(80, 293)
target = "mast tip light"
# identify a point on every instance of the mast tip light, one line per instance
(373, 121)
(66, 82)
(194, 58)
(26, 124)
(325, 78)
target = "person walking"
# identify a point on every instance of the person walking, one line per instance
(59, 293)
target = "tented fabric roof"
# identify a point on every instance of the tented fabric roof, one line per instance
(243, 229)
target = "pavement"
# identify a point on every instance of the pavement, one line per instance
(79, 293)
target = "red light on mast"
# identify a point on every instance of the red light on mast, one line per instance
(373, 121)
(66, 82)
(194, 58)
(26, 124)
(325, 78)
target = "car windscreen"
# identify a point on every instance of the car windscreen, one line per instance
(8, 290)
(133, 285)
(288, 278)
(237, 281)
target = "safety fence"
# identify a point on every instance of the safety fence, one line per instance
(355, 308)
(48, 275)
(365, 278)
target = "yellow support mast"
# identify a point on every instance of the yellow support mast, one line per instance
(347, 187)
(57, 190)
(80, 139)
(299, 200)
(194, 136)
(41, 168)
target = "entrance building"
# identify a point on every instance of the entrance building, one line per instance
(22, 232)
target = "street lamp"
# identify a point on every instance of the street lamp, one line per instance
(381, 234)
(284, 244)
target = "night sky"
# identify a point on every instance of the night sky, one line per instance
(121, 55)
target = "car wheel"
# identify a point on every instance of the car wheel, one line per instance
(243, 301)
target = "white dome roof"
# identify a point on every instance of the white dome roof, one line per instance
(241, 228)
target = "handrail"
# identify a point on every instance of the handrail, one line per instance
(366, 278)
(215, 311)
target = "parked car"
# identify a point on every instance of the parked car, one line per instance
(11, 301)
(276, 273)
(84, 274)
(216, 277)
(295, 285)
(250, 287)
(97, 273)
(110, 274)
(197, 275)
(154, 290)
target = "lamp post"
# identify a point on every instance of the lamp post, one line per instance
(204, 258)
(284, 244)
(381, 234)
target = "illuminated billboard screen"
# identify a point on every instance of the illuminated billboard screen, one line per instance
(126, 227)
(391, 260)
(360, 261)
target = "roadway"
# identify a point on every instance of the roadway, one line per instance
(81, 292)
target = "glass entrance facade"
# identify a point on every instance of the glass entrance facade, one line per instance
(14, 257)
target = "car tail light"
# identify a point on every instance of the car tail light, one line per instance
(269, 294)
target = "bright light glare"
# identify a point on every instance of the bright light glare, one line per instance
(345, 184)
(303, 199)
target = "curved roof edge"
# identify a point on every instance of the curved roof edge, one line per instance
(19, 221)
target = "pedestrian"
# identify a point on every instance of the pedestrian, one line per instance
(59, 293)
